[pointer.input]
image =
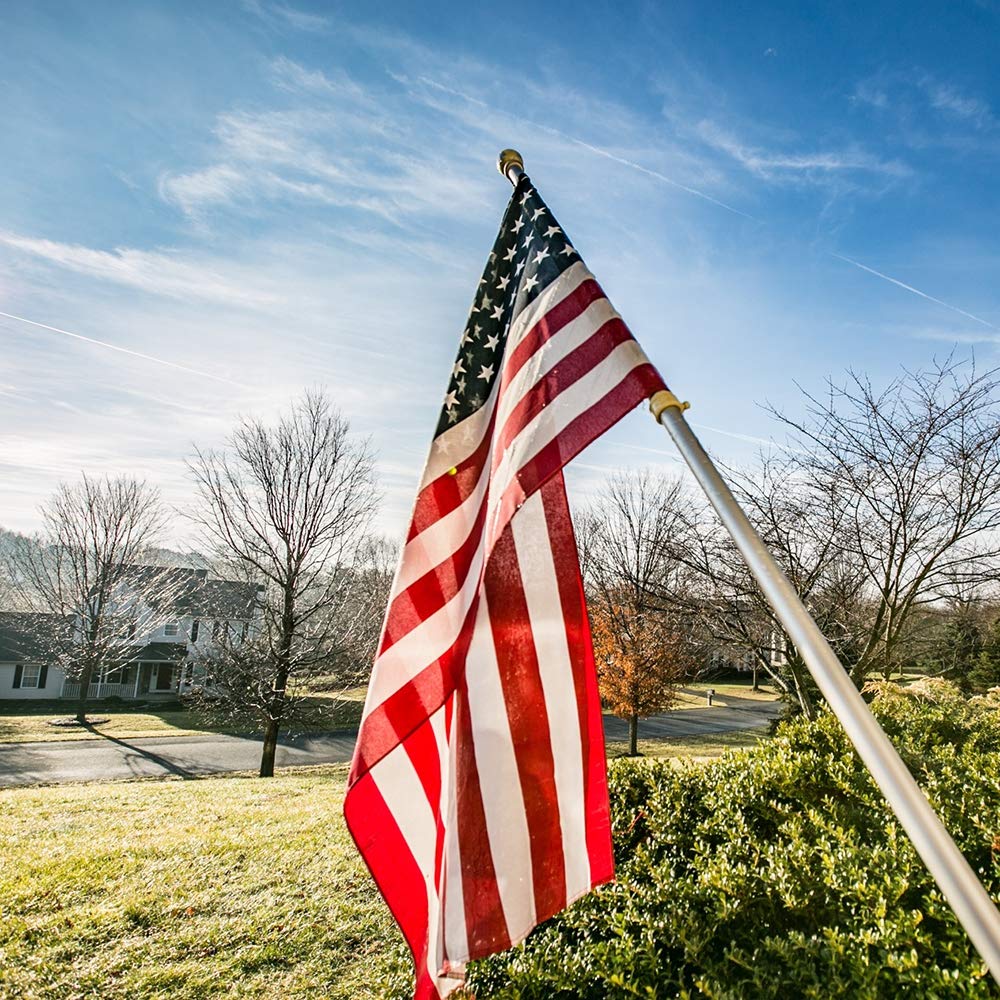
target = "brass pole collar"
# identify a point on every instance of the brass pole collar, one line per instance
(663, 400)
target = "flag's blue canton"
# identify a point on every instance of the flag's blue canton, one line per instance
(530, 252)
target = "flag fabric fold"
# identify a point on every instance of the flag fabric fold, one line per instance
(477, 794)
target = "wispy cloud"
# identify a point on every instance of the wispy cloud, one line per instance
(282, 15)
(150, 271)
(778, 165)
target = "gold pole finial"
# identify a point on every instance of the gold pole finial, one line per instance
(510, 159)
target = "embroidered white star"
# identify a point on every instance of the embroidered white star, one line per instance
(486, 373)
(498, 311)
(530, 283)
(466, 338)
(460, 385)
(551, 231)
(487, 302)
(452, 416)
(459, 368)
(538, 212)
(512, 252)
(518, 225)
(520, 266)
(479, 329)
(451, 400)
(540, 256)
(503, 282)
(567, 251)
(491, 343)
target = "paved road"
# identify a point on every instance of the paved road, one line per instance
(110, 758)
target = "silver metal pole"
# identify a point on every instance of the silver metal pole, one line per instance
(947, 864)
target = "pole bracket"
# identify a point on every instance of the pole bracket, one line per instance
(663, 400)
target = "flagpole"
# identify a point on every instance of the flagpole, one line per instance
(946, 863)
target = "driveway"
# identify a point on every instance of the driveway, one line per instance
(112, 759)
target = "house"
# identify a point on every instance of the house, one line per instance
(26, 655)
(176, 631)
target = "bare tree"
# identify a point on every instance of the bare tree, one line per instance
(83, 567)
(910, 477)
(642, 645)
(290, 503)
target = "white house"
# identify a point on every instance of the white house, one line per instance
(175, 633)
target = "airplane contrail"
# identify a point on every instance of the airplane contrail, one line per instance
(599, 151)
(123, 350)
(910, 288)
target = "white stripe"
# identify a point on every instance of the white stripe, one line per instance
(400, 787)
(499, 780)
(556, 417)
(548, 628)
(455, 935)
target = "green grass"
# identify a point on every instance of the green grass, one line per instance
(27, 722)
(707, 746)
(225, 887)
(218, 887)
(738, 695)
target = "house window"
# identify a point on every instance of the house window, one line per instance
(195, 628)
(30, 673)
(171, 628)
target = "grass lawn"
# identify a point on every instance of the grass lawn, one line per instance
(222, 887)
(707, 746)
(27, 722)
(728, 695)
(217, 887)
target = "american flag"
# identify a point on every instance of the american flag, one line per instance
(477, 794)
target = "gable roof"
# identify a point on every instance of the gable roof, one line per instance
(189, 592)
(26, 635)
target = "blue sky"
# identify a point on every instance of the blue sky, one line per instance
(270, 196)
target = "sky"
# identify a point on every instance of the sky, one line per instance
(207, 208)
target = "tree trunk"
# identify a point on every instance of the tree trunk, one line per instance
(270, 746)
(633, 735)
(801, 692)
(756, 686)
(81, 704)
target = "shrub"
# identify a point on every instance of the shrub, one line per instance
(779, 872)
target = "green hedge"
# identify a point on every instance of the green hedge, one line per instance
(779, 872)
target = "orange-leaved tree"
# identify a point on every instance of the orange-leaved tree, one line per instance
(628, 540)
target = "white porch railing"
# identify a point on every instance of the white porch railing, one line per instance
(72, 690)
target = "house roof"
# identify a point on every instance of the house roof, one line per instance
(29, 636)
(173, 651)
(189, 592)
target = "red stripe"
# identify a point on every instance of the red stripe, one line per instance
(640, 383)
(528, 719)
(431, 592)
(484, 919)
(545, 328)
(570, 369)
(394, 869)
(442, 495)
(390, 722)
(588, 701)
